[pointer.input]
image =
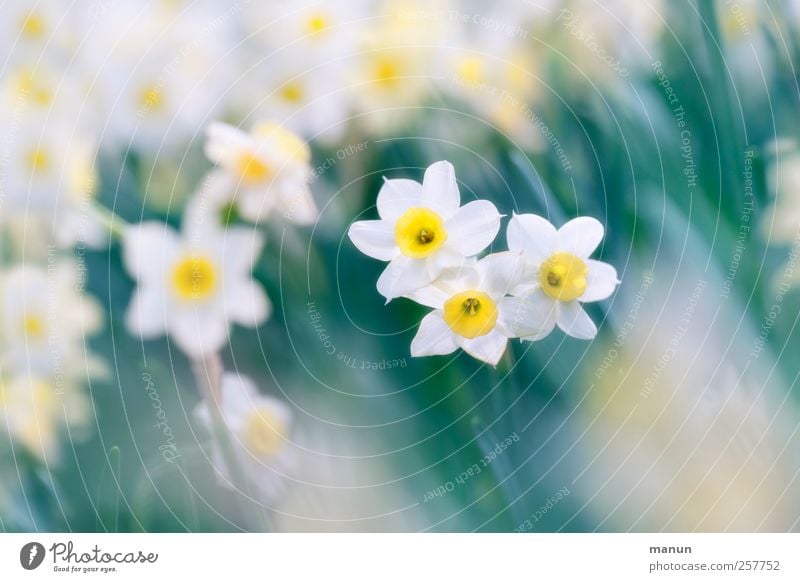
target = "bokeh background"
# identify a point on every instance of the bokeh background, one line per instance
(673, 123)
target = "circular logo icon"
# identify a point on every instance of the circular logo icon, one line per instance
(31, 555)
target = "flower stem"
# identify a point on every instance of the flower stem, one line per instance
(115, 225)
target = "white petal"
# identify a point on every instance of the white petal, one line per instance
(449, 282)
(199, 332)
(446, 258)
(574, 321)
(299, 206)
(530, 318)
(531, 234)
(600, 282)
(488, 348)
(240, 397)
(397, 196)
(241, 248)
(147, 247)
(432, 295)
(580, 236)
(374, 238)
(434, 337)
(500, 272)
(146, 316)
(473, 227)
(239, 394)
(402, 276)
(246, 303)
(440, 189)
(255, 204)
(221, 140)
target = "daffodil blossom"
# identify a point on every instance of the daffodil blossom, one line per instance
(559, 275)
(34, 408)
(472, 311)
(155, 99)
(194, 286)
(260, 430)
(45, 320)
(263, 171)
(423, 229)
(51, 179)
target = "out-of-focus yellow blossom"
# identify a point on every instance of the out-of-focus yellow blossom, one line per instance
(262, 172)
(260, 430)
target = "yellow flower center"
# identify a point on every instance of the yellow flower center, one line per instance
(470, 70)
(470, 314)
(291, 92)
(30, 86)
(419, 232)
(386, 71)
(33, 327)
(563, 276)
(251, 169)
(38, 160)
(317, 23)
(32, 25)
(151, 98)
(288, 142)
(194, 278)
(264, 433)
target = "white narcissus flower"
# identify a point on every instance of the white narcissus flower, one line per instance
(193, 286)
(559, 275)
(423, 229)
(315, 30)
(309, 102)
(260, 434)
(472, 311)
(51, 178)
(264, 171)
(46, 319)
(151, 76)
(34, 407)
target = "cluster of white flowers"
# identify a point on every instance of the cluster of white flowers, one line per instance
(82, 84)
(431, 243)
(137, 81)
(44, 363)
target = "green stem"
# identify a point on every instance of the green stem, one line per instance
(719, 89)
(115, 225)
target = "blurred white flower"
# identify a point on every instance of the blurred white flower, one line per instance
(39, 89)
(29, 29)
(193, 286)
(259, 429)
(304, 97)
(473, 312)
(310, 30)
(46, 319)
(264, 171)
(559, 275)
(390, 72)
(492, 65)
(608, 40)
(34, 408)
(50, 178)
(156, 77)
(423, 229)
